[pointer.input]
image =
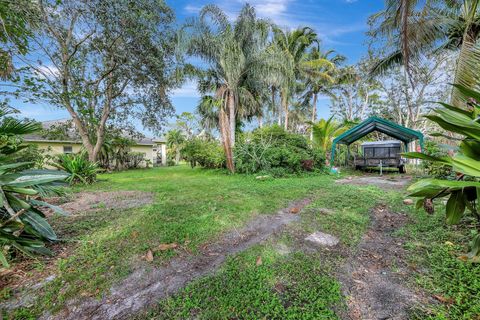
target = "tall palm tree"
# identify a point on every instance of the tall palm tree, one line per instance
(237, 62)
(319, 70)
(293, 46)
(175, 140)
(415, 30)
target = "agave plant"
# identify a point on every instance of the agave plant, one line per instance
(22, 223)
(464, 192)
(79, 168)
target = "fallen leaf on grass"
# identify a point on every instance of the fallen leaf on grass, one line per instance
(149, 256)
(294, 210)
(443, 299)
(259, 261)
(167, 246)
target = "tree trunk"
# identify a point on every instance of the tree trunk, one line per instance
(225, 134)
(231, 114)
(279, 110)
(314, 113)
(260, 121)
(177, 156)
(284, 103)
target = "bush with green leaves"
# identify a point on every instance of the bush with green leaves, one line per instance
(464, 191)
(134, 159)
(205, 153)
(434, 169)
(274, 150)
(79, 168)
(23, 226)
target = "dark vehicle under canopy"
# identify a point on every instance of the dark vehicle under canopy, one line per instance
(386, 153)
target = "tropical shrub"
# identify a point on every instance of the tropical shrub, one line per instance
(175, 141)
(434, 169)
(79, 168)
(23, 227)
(205, 153)
(464, 191)
(134, 159)
(270, 148)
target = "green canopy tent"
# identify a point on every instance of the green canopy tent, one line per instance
(389, 128)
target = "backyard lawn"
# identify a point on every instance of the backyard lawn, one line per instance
(279, 277)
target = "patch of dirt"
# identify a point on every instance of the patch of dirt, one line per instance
(373, 280)
(146, 286)
(25, 276)
(379, 181)
(94, 201)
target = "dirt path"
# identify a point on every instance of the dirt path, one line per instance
(373, 279)
(385, 181)
(145, 287)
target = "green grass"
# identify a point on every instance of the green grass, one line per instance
(434, 249)
(191, 207)
(299, 285)
(194, 206)
(296, 286)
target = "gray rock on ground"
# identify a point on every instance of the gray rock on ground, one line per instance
(322, 239)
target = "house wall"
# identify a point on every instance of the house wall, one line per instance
(55, 148)
(146, 150)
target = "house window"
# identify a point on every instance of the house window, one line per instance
(67, 149)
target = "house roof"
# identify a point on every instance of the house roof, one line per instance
(73, 137)
(394, 130)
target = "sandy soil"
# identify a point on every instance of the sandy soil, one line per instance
(386, 181)
(24, 274)
(374, 278)
(94, 201)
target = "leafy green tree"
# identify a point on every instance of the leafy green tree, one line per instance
(104, 62)
(414, 29)
(175, 141)
(237, 63)
(16, 21)
(324, 131)
(319, 71)
(292, 46)
(464, 192)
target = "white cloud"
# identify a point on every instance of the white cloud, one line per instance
(192, 9)
(188, 90)
(47, 71)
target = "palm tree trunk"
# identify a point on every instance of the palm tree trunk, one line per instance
(177, 156)
(225, 134)
(279, 110)
(284, 103)
(231, 113)
(314, 113)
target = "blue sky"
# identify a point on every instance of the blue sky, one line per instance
(341, 24)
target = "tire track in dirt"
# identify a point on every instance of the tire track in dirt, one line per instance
(374, 278)
(145, 287)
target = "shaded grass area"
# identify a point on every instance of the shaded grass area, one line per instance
(435, 249)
